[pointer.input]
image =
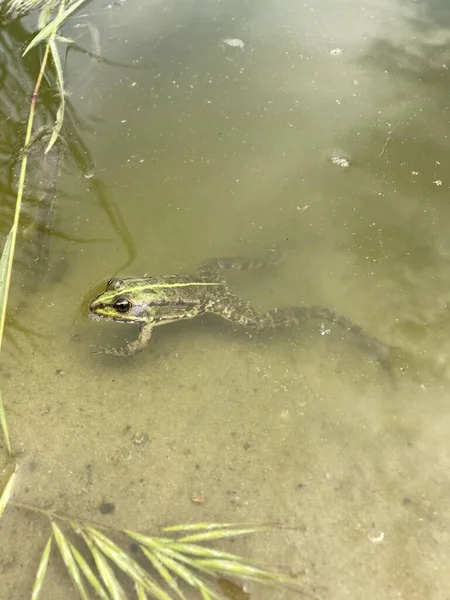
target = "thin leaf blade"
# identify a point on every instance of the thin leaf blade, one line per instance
(69, 560)
(52, 27)
(106, 573)
(217, 534)
(42, 570)
(140, 592)
(5, 274)
(199, 526)
(62, 106)
(163, 572)
(4, 425)
(7, 491)
(126, 563)
(89, 574)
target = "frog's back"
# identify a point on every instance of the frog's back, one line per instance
(178, 288)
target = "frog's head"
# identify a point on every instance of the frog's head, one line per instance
(127, 301)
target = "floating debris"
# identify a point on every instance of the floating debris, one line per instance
(336, 51)
(340, 158)
(376, 539)
(234, 43)
(140, 438)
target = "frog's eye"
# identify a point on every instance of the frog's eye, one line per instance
(122, 305)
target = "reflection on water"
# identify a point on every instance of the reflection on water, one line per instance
(212, 148)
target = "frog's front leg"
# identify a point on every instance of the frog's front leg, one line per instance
(131, 348)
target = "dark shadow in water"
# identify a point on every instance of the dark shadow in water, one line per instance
(42, 198)
(424, 59)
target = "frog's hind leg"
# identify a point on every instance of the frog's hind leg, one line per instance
(239, 311)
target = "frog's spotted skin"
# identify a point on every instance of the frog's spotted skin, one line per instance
(152, 301)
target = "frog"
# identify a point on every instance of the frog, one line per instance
(151, 301)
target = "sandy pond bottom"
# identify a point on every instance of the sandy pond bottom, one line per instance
(213, 425)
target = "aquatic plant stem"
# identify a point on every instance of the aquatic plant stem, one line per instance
(21, 187)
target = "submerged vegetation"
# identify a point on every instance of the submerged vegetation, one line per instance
(111, 563)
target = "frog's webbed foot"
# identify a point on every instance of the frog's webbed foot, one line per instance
(350, 331)
(128, 350)
(131, 348)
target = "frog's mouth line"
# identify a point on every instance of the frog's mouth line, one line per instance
(96, 317)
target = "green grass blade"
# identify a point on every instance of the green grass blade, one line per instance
(52, 27)
(69, 560)
(140, 537)
(62, 106)
(4, 425)
(233, 561)
(178, 569)
(217, 534)
(5, 261)
(140, 592)
(243, 571)
(163, 552)
(176, 563)
(126, 564)
(205, 595)
(174, 558)
(22, 6)
(45, 13)
(184, 572)
(106, 573)
(163, 572)
(42, 570)
(199, 526)
(89, 574)
(208, 592)
(63, 40)
(152, 542)
(195, 550)
(7, 492)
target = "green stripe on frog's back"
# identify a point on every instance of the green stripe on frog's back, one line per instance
(177, 285)
(134, 288)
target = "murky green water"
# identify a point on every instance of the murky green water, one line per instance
(220, 135)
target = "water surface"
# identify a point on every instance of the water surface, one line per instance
(202, 148)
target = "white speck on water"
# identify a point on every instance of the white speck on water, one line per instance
(340, 161)
(415, 172)
(340, 158)
(376, 539)
(437, 182)
(123, 121)
(336, 51)
(324, 331)
(134, 84)
(234, 43)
